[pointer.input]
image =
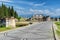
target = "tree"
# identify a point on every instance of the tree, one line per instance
(2, 11)
(19, 18)
(7, 12)
(12, 11)
(9, 15)
(15, 15)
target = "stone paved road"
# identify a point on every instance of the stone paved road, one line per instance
(39, 31)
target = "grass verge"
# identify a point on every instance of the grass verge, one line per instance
(18, 24)
(58, 32)
(58, 29)
(4, 28)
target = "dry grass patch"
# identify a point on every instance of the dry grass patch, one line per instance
(22, 23)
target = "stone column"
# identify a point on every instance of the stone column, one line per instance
(12, 22)
(7, 22)
(53, 19)
(48, 19)
(57, 19)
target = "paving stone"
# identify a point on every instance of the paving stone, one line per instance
(39, 31)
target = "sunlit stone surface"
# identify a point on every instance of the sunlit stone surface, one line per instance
(38, 31)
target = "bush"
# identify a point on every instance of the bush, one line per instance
(2, 26)
(30, 23)
(57, 23)
(58, 32)
(8, 27)
(19, 24)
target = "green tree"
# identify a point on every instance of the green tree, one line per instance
(7, 12)
(19, 18)
(15, 14)
(12, 11)
(2, 11)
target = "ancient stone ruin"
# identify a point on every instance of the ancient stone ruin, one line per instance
(10, 22)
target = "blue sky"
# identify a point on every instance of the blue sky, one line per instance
(27, 8)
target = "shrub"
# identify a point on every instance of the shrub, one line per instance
(57, 23)
(9, 27)
(58, 32)
(21, 24)
(30, 23)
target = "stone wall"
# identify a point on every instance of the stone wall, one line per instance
(37, 17)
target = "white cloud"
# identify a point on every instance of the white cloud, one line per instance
(47, 11)
(33, 10)
(42, 4)
(36, 11)
(5, 0)
(41, 11)
(32, 3)
(57, 10)
(15, 6)
(19, 8)
(24, 2)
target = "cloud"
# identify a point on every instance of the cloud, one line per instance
(32, 3)
(42, 4)
(47, 11)
(25, 2)
(36, 11)
(19, 8)
(15, 6)
(5, 0)
(41, 11)
(57, 12)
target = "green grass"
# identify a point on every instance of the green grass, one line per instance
(57, 24)
(58, 32)
(19, 24)
(4, 28)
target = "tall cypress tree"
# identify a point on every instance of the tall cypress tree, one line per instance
(2, 11)
(12, 11)
(15, 14)
(7, 12)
